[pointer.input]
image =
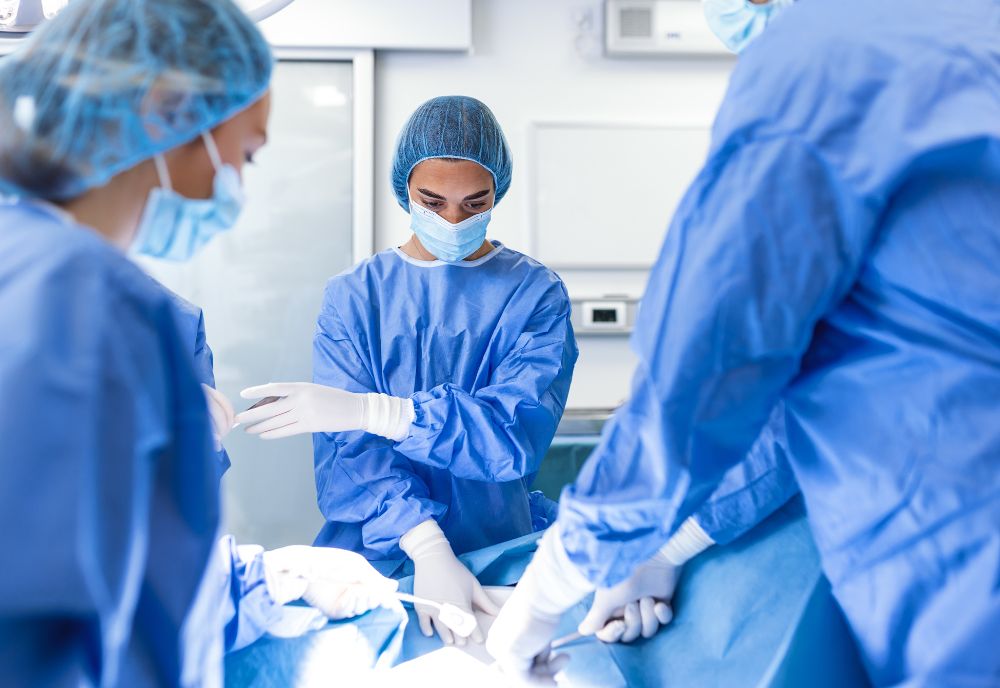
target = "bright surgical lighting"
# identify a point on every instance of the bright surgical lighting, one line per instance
(24, 15)
(258, 10)
(8, 12)
(21, 16)
(51, 8)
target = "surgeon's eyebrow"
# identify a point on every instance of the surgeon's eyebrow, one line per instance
(470, 197)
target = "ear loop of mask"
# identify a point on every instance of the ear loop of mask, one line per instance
(162, 172)
(213, 150)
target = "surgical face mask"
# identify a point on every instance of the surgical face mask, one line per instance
(174, 227)
(451, 243)
(738, 22)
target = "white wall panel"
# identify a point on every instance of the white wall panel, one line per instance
(380, 24)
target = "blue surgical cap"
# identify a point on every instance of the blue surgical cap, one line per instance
(107, 84)
(451, 127)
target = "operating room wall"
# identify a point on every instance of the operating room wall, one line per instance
(543, 62)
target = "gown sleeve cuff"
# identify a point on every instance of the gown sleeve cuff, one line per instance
(388, 416)
(689, 541)
(422, 539)
(553, 581)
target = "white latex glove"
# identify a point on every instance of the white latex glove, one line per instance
(643, 599)
(221, 412)
(339, 583)
(521, 635)
(439, 576)
(304, 407)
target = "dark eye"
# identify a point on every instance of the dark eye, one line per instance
(477, 206)
(432, 204)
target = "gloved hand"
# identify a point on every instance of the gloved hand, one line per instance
(643, 599)
(339, 583)
(520, 637)
(519, 641)
(439, 576)
(306, 408)
(221, 412)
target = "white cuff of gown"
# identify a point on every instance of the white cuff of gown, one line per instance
(553, 580)
(423, 539)
(689, 541)
(390, 417)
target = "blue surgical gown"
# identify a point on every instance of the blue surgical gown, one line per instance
(839, 253)
(108, 488)
(486, 351)
(754, 488)
(240, 583)
(191, 323)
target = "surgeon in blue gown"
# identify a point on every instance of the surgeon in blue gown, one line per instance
(442, 369)
(838, 253)
(113, 573)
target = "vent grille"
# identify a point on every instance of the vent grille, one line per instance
(636, 22)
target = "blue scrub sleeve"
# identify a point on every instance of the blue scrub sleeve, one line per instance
(753, 489)
(502, 431)
(204, 361)
(183, 525)
(249, 610)
(191, 324)
(361, 478)
(767, 240)
(204, 365)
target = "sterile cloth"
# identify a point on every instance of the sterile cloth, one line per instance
(755, 613)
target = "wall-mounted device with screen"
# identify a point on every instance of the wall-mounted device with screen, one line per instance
(604, 315)
(652, 28)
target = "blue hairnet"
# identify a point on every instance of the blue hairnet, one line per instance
(110, 83)
(451, 127)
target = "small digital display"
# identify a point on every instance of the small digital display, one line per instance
(605, 315)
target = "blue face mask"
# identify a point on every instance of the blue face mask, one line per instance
(738, 22)
(174, 227)
(448, 242)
